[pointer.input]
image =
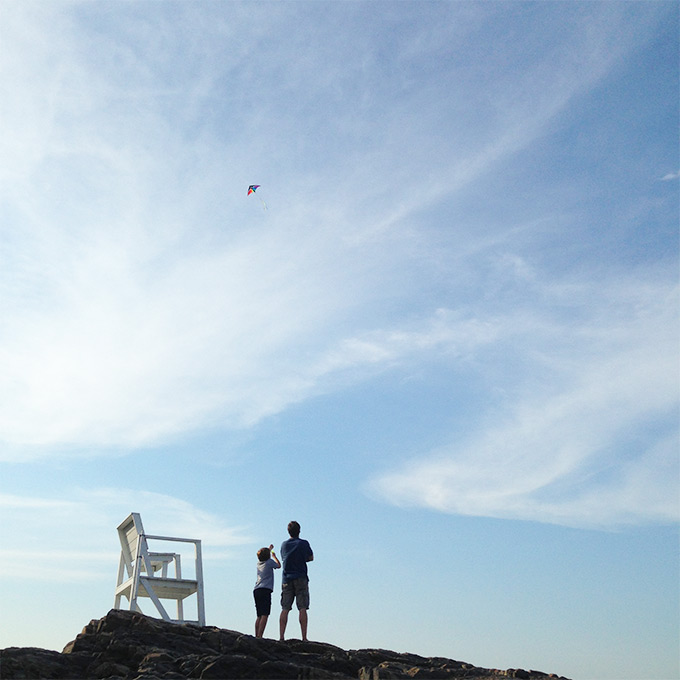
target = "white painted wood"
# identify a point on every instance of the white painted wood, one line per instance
(138, 568)
(199, 583)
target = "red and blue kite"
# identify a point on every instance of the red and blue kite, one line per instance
(252, 189)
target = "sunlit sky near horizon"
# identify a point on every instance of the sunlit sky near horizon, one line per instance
(448, 347)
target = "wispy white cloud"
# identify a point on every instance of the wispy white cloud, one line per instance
(77, 536)
(447, 333)
(142, 299)
(670, 176)
(581, 447)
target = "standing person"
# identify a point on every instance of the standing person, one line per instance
(264, 586)
(295, 553)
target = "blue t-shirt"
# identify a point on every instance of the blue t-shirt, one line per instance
(295, 553)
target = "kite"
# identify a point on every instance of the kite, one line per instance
(252, 189)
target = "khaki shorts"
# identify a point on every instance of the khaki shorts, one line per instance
(297, 590)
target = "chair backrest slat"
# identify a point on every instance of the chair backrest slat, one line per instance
(128, 532)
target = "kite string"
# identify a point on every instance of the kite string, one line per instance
(252, 189)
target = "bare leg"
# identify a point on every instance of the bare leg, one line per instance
(303, 624)
(260, 625)
(283, 621)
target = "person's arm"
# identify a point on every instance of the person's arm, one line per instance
(274, 557)
(310, 557)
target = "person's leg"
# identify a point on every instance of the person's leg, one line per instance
(287, 599)
(260, 625)
(263, 607)
(283, 621)
(257, 611)
(303, 624)
(302, 600)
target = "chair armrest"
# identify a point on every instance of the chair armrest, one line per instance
(172, 538)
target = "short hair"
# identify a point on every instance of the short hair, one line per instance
(263, 554)
(294, 529)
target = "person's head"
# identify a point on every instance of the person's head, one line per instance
(294, 529)
(263, 554)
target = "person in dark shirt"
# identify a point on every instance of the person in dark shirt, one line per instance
(295, 553)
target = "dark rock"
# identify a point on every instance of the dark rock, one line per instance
(130, 646)
(29, 662)
(109, 669)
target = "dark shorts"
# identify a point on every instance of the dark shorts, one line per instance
(263, 601)
(297, 590)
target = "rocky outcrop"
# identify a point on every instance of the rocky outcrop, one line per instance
(126, 645)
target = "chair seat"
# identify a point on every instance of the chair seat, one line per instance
(167, 588)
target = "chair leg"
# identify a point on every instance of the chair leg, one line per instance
(200, 603)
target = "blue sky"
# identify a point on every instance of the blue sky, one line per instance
(448, 347)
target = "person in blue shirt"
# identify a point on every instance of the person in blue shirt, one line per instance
(295, 553)
(264, 585)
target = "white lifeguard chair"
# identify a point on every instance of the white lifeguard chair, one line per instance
(138, 572)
